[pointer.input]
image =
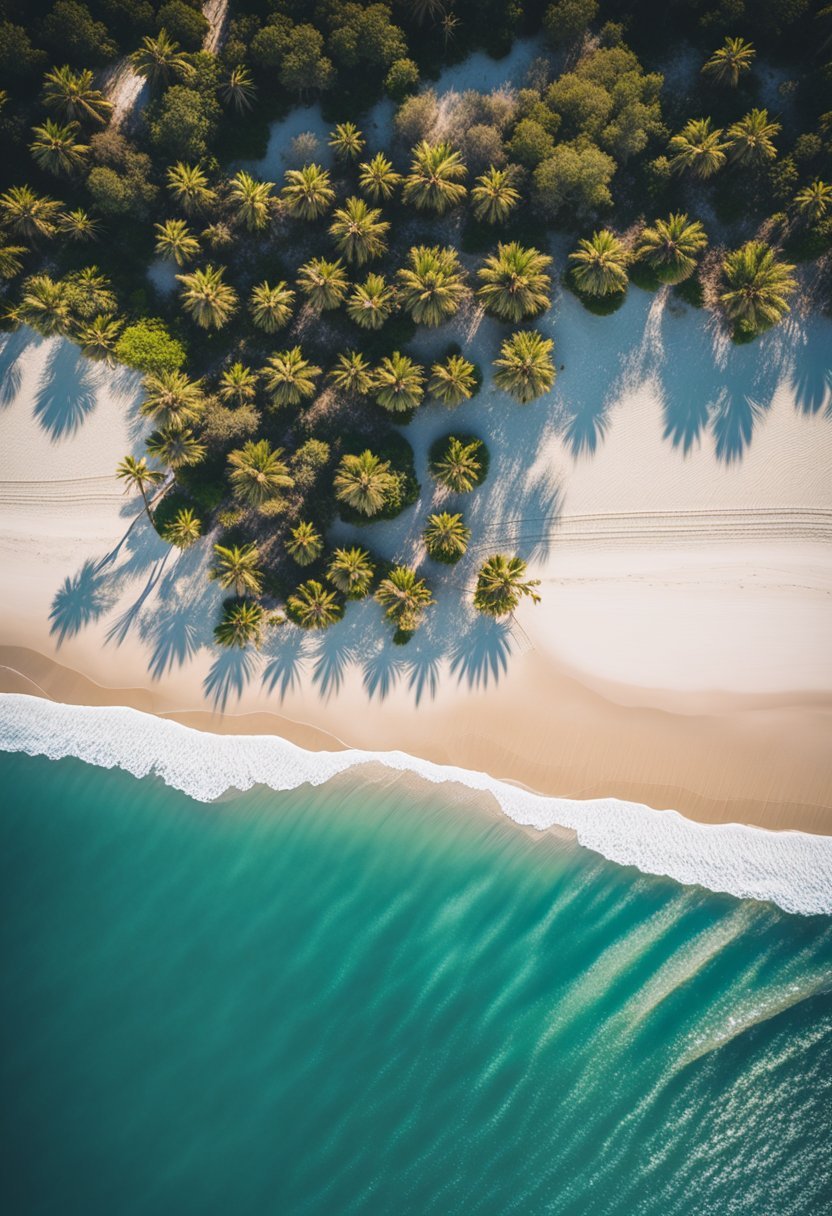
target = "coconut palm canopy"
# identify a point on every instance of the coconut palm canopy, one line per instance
(313, 315)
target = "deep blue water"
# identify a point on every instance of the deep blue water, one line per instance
(377, 998)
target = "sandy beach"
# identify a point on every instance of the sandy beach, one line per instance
(677, 510)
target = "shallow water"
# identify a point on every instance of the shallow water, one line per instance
(374, 997)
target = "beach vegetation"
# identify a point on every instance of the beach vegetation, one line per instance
(241, 623)
(351, 571)
(525, 368)
(184, 529)
(453, 380)
(398, 383)
(405, 597)
(238, 568)
(730, 61)
(671, 246)
(258, 472)
(314, 606)
(446, 536)
(599, 264)
(757, 287)
(502, 584)
(432, 284)
(140, 477)
(290, 377)
(459, 462)
(364, 482)
(515, 284)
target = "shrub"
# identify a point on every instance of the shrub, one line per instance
(184, 23)
(149, 347)
(530, 143)
(402, 79)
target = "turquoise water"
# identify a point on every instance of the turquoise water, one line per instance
(375, 998)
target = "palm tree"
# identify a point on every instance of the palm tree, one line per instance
(364, 482)
(172, 399)
(11, 258)
(258, 472)
(45, 305)
(813, 202)
(378, 179)
(138, 475)
(525, 367)
(758, 286)
(290, 378)
(97, 337)
(493, 196)
(515, 284)
(183, 530)
(398, 383)
(671, 246)
(56, 148)
(371, 302)
(501, 585)
(404, 596)
(238, 89)
(352, 373)
(207, 298)
(238, 384)
(78, 225)
(250, 199)
(699, 148)
(600, 264)
(460, 467)
(432, 287)
(88, 293)
(435, 179)
(28, 214)
(446, 536)
(271, 307)
(189, 186)
(306, 544)
(727, 64)
(323, 283)
(159, 60)
(346, 140)
(308, 192)
(351, 571)
(73, 96)
(313, 607)
(237, 568)
(176, 447)
(359, 231)
(453, 381)
(751, 139)
(175, 242)
(241, 623)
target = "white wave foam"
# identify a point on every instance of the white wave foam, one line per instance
(792, 869)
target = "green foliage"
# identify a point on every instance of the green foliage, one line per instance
(446, 537)
(574, 180)
(525, 368)
(185, 123)
(363, 38)
(120, 182)
(501, 584)
(404, 597)
(567, 20)
(757, 287)
(600, 264)
(71, 33)
(402, 79)
(183, 22)
(148, 346)
(609, 99)
(530, 143)
(459, 462)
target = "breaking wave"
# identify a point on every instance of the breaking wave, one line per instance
(792, 869)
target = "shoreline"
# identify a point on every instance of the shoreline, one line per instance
(792, 869)
(722, 787)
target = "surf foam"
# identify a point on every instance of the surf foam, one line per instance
(792, 869)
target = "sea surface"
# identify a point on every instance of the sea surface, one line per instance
(381, 996)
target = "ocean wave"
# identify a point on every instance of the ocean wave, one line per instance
(792, 869)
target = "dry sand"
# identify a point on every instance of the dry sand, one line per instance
(672, 495)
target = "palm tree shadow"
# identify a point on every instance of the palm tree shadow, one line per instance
(66, 393)
(733, 417)
(382, 668)
(586, 426)
(81, 600)
(120, 628)
(230, 672)
(286, 663)
(480, 653)
(812, 386)
(13, 347)
(685, 421)
(173, 637)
